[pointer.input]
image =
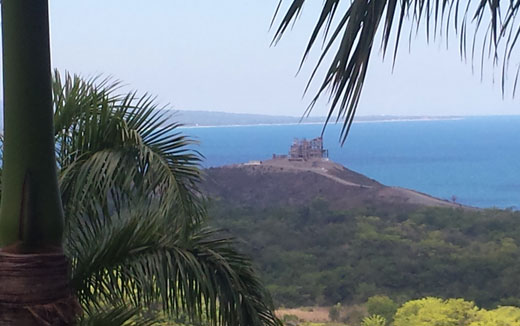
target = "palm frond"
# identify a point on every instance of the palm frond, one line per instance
(118, 144)
(138, 256)
(116, 316)
(353, 35)
(134, 214)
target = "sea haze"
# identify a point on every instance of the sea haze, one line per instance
(476, 159)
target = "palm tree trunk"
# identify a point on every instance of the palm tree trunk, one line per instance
(34, 273)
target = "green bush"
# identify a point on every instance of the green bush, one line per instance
(509, 316)
(383, 306)
(453, 312)
(435, 311)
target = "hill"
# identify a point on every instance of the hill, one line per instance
(282, 182)
(321, 234)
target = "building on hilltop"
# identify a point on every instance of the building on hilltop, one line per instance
(303, 149)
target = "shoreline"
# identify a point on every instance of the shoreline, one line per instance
(322, 122)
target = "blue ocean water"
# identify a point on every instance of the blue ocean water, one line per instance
(475, 159)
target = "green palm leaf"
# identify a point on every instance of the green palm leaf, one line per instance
(116, 316)
(110, 145)
(138, 257)
(134, 215)
(353, 35)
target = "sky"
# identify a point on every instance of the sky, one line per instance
(216, 55)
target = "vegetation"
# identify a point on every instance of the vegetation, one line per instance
(374, 320)
(134, 225)
(456, 312)
(351, 28)
(135, 222)
(383, 306)
(313, 255)
(35, 273)
(335, 312)
(427, 311)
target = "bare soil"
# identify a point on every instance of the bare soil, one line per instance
(281, 182)
(309, 314)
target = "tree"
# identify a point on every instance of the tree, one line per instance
(509, 316)
(35, 280)
(456, 312)
(435, 311)
(134, 218)
(383, 306)
(192, 268)
(353, 35)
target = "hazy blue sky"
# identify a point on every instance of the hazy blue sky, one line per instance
(216, 55)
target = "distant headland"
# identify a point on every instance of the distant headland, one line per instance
(304, 174)
(221, 119)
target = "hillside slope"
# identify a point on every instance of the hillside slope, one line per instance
(321, 234)
(281, 182)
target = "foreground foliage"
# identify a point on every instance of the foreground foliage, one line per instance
(453, 312)
(352, 29)
(316, 256)
(135, 220)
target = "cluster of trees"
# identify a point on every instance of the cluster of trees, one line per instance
(436, 311)
(133, 232)
(316, 256)
(456, 312)
(381, 310)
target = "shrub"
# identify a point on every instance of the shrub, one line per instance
(354, 315)
(383, 306)
(335, 312)
(374, 320)
(509, 316)
(435, 311)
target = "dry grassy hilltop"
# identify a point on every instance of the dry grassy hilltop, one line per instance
(282, 182)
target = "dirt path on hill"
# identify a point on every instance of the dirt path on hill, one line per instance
(398, 194)
(419, 198)
(318, 170)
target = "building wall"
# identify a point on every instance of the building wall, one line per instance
(306, 149)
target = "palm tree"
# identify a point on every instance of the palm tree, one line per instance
(134, 226)
(352, 27)
(35, 280)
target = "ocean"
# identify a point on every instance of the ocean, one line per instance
(475, 160)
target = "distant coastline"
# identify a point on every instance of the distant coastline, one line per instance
(361, 120)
